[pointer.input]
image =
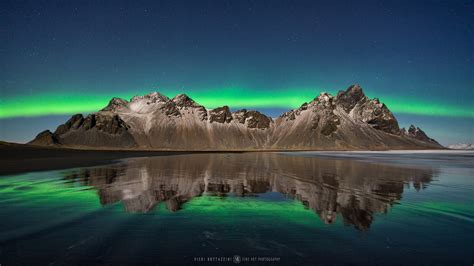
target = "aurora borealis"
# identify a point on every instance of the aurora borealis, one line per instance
(64, 58)
(69, 103)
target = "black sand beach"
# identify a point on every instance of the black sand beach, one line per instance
(21, 158)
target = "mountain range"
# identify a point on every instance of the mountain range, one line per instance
(348, 121)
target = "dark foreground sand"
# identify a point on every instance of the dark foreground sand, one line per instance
(21, 158)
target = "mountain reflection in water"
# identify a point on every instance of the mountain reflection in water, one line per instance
(354, 190)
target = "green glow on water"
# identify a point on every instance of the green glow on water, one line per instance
(450, 209)
(57, 197)
(76, 102)
(34, 191)
(25, 190)
(42, 192)
(230, 209)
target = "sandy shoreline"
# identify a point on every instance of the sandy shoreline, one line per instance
(22, 158)
(18, 158)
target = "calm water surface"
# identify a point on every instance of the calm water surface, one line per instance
(249, 208)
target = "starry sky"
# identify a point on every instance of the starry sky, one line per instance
(65, 57)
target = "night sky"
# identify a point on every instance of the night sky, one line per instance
(65, 57)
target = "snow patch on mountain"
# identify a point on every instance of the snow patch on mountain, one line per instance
(461, 146)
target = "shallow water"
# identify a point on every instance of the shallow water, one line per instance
(247, 208)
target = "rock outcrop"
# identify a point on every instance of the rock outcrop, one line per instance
(253, 119)
(348, 121)
(354, 102)
(45, 138)
(220, 115)
(182, 100)
(103, 129)
(417, 133)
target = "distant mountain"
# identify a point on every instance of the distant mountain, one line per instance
(462, 146)
(348, 121)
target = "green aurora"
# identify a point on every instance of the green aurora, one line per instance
(54, 103)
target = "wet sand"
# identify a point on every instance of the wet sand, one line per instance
(21, 158)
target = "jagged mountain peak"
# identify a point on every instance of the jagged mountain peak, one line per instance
(74, 122)
(156, 95)
(220, 115)
(182, 96)
(350, 97)
(45, 138)
(253, 119)
(414, 130)
(115, 104)
(324, 96)
(183, 100)
(152, 97)
(118, 100)
(355, 89)
(147, 103)
(417, 133)
(324, 99)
